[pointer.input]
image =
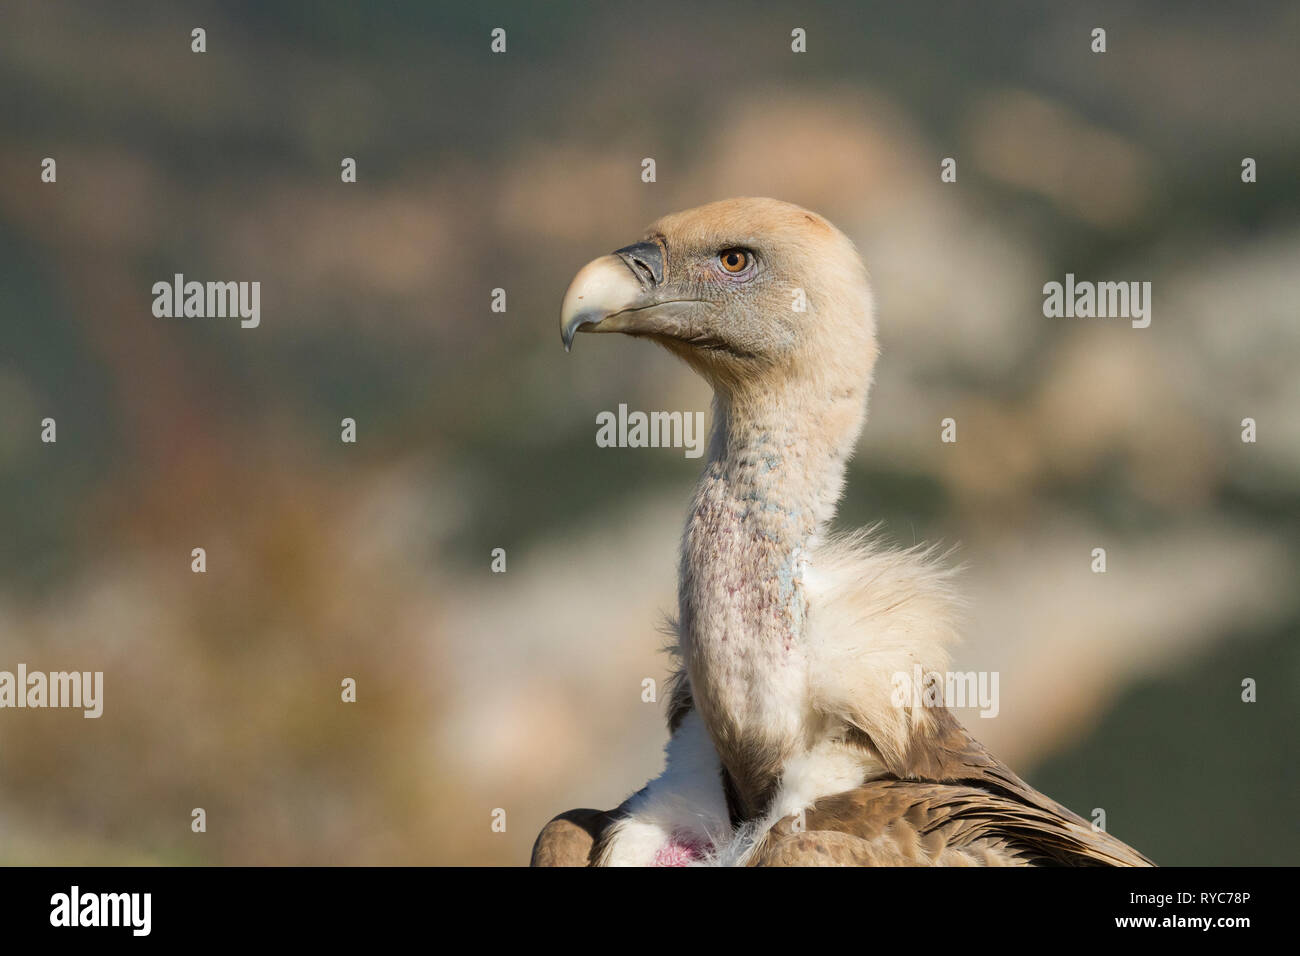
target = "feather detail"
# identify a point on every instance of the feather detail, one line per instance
(874, 613)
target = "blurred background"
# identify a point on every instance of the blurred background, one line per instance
(523, 691)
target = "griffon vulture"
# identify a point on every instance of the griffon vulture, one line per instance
(787, 746)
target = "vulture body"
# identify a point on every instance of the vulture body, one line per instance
(787, 745)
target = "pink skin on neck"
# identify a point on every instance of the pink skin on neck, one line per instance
(681, 852)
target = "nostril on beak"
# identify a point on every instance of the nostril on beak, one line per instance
(646, 259)
(641, 266)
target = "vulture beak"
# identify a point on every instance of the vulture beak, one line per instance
(617, 293)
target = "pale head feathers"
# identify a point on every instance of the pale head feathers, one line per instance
(802, 261)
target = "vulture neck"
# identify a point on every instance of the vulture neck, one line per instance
(769, 489)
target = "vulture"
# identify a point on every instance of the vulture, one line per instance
(787, 743)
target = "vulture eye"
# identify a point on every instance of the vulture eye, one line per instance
(734, 260)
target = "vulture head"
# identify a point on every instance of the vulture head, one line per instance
(752, 293)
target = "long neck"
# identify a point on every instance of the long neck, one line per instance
(769, 489)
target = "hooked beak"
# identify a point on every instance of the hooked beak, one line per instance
(616, 293)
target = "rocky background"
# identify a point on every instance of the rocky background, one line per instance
(522, 691)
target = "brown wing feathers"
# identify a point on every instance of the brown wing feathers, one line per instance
(954, 804)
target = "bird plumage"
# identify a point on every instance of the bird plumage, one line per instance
(788, 744)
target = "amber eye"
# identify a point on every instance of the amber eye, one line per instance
(733, 260)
